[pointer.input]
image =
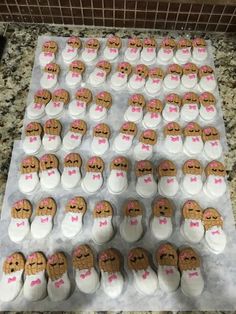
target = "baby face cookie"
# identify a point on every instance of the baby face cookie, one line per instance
(192, 179)
(48, 53)
(138, 79)
(166, 51)
(144, 149)
(100, 142)
(120, 77)
(207, 78)
(173, 76)
(50, 75)
(70, 52)
(91, 48)
(134, 112)
(212, 146)
(117, 180)
(71, 173)
(172, 107)
(77, 107)
(189, 110)
(152, 118)
(74, 75)
(215, 185)
(193, 144)
(32, 141)
(50, 175)
(148, 54)
(192, 210)
(73, 138)
(52, 135)
(93, 179)
(99, 75)
(183, 52)
(189, 78)
(173, 140)
(207, 106)
(36, 109)
(124, 140)
(132, 53)
(56, 265)
(29, 179)
(167, 185)
(146, 185)
(55, 107)
(161, 222)
(154, 82)
(103, 103)
(199, 49)
(83, 257)
(102, 230)
(112, 48)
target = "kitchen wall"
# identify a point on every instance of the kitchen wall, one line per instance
(211, 15)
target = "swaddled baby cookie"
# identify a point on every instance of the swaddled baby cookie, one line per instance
(93, 179)
(50, 75)
(183, 52)
(134, 112)
(166, 51)
(154, 82)
(193, 144)
(71, 173)
(112, 48)
(36, 109)
(207, 106)
(152, 117)
(207, 80)
(55, 108)
(212, 146)
(77, 107)
(100, 142)
(138, 79)
(173, 76)
(144, 148)
(73, 138)
(189, 78)
(173, 141)
(215, 185)
(99, 75)
(148, 53)
(70, 51)
(32, 141)
(103, 102)
(146, 185)
(132, 53)
(75, 73)
(124, 140)
(200, 52)
(167, 185)
(90, 52)
(189, 110)
(52, 135)
(120, 77)
(48, 53)
(192, 179)
(171, 110)
(29, 178)
(117, 181)
(49, 173)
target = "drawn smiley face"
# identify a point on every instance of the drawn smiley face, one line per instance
(166, 255)
(78, 126)
(50, 46)
(77, 66)
(76, 204)
(188, 259)
(137, 100)
(61, 95)
(83, 257)
(42, 97)
(110, 261)
(215, 168)
(143, 167)
(124, 67)
(192, 210)
(33, 129)
(168, 43)
(72, 160)
(207, 99)
(135, 43)
(114, 42)
(172, 128)
(95, 164)
(192, 166)
(210, 133)
(154, 105)
(74, 42)
(84, 94)
(119, 163)
(92, 43)
(212, 218)
(174, 99)
(102, 130)
(104, 99)
(103, 209)
(52, 127)
(56, 265)
(13, 263)
(167, 168)
(21, 209)
(141, 70)
(133, 208)
(35, 263)
(190, 68)
(138, 259)
(47, 206)
(192, 129)
(29, 164)
(129, 128)
(52, 68)
(148, 137)
(48, 161)
(162, 208)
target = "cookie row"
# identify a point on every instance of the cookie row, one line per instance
(117, 180)
(146, 50)
(39, 276)
(195, 224)
(188, 107)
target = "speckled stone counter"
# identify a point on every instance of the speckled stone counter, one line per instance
(15, 74)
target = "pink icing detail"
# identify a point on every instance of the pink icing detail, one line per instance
(44, 158)
(133, 222)
(59, 283)
(167, 51)
(204, 68)
(135, 97)
(36, 282)
(32, 139)
(193, 274)
(56, 104)
(71, 172)
(76, 123)
(92, 160)
(201, 49)
(194, 224)
(113, 50)
(131, 205)
(154, 115)
(51, 173)
(193, 107)
(126, 138)
(120, 174)
(147, 41)
(156, 81)
(163, 221)
(44, 220)
(161, 202)
(145, 274)
(215, 232)
(133, 50)
(96, 177)
(207, 130)
(210, 78)
(20, 224)
(38, 106)
(183, 255)
(74, 218)
(103, 256)
(185, 51)
(169, 271)
(70, 50)
(27, 160)
(218, 181)
(123, 64)
(103, 223)
(210, 109)
(101, 74)
(138, 78)
(19, 203)
(10, 258)
(45, 202)
(11, 279)
(52, 259)
(51, 138)
(190, 163)
(28, 177)
(145, 147)
(118, 160)
(147, 133)
(91, 50)
(75, 137)
(102, 141)
(32, 256)
(49, 53)
(122, 75)
(170, 125)
(99, 108)
(195, 139)
(101, 63)
(112, 277)
(72, 201)
(190, 126)
(215, 143)
(101, 94)
(175, 139)
(170, 181)
(75, 74)
(148, 180)
(59, 91)
(86, 274)
(90, 41)
(213, 164)
(50, 76)
(136, 109)
(40, 92)
(192, 76)
(174, 77)
(150, 50)
(170, 97)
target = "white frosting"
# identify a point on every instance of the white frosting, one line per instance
(199, 54)
(132, 54)
(193, 230)
(215, 186)
(87, 280)
(31, 144)
(41, 226)
(117, 181)
(207, 113)
(136, 82)
(70, 177)
(123, 143)
(161, 227)
(49, 179)
(97, 77)
(131, 228)
(110, 53)
(35, 286)
(168, 278)
(46, 57)
(89, 54)
(118, 80)
(77, 108)
(143, 151)
(168, 186)
(51, 143)
(216, 239)
(208, 83)
(193, 145)
(146, 281)
(148, 55)
(73, 79)
(59, 290)
(72, 224)
(189, 80)
(165, 55)
(192, 283)
(99, 145)
(173, 144)
(54, 109)
(92, 182)
(192, 184)
(48, 80)
(18, 229)
(35, 111)
(102, 230)
(10, 285)
(28, 182)
(172, 81)
(151, 120)
(146, 186)
(189, 112)
(170, 112)
(213, 149)
(133, 114)
(69, 53)
(112, 283)
(183, 55)
(153, 86)
(97, 113)
(71, 140)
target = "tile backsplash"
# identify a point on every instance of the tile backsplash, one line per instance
(217, 15)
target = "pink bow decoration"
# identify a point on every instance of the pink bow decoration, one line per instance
(163, 221)
(136, 109)
(210, 78)
(101, 74)
(112, 277)
(12, 279)
(195, 139)
(174, 77)
(150, 50)
(56, 104)
(47, 54)
(38, 106)
(20, 224)
(185, 51)
(96, 176)
(175, 139)
(120, 174)
(193, 179)
(133, 221)
(145, 274)
(155, 81)
(218, 181)
(126, 137)
(113, 50)
(121, 75)
(28, 177)
(154, 115)
(170, 181)
(75, 74)
(50, 173)
(99, 108)
(86, 274)
(102, 141)
(148, 179)
(138, 78)
(210, 109)
(74, 219)
(167, 51)
(194, 224)
(193, 274)
(215, 143)
(80, 104)
(133, 50)
(173, 109)
(103, 223)
(192, 107)
(51, 137)
(215, 232)
(70, 50)
(33, 139)
(201, 49)
(74, 137)
(145, 147)
(169, 271)
(36, 282)
(50, 76)
(71, 172)
(59, 283)
(91, 50)
(192, 76)
(44, 220)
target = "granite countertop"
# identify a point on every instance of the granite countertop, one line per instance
(15, 75)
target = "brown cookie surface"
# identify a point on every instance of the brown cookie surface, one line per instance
(205, 70)
(84, 94)
(156, 73)
(52, 68)
(166, 255)
(72, 160)
(114, 42)
(137, 100)
(29, 164)
(207, 99)
(149, 43)
(78, 126)
(83, 257)
(76, 204)
(133, 208)
(141, 70)
(154, 105)
(92, 43)
(129, 128)
(124, 67)
(33, 129)
(21, 209)
(162, 207)
(74, 42)
(168, 43)
(138, 259)
(192, 129)
(210, 133)
(102, 209)
(135, 43)
(184, 43)
(61, 95)
(175, 69)
(52, 127)
(104, 99)
(46, 207)
(120, 163)
(77, 66)
(102, 130)
(143, 167)
(148, 137)
(95, 164)
(174, 99)
(42, 97)
(50, 46)
(192, 166)
(167, 168)
(190, 98)
(104, 65)
(190, 68)
(188, 259)
(192, 210)
(215, 168)
(172, 128)
(48, 161)
(199, 42)
(35, 263)
(110, 261)
(13, 263)
(212, 218)
(56, 265)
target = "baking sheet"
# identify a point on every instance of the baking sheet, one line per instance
(219, 270)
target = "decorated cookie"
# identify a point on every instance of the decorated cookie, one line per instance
(70, 51)
(112, 280)
(189, 78)
(154, 82)
(50, 175)
(124, 140)
(173, 140)
(168, 273)
(192, 179)
(48, 53)
(86, 275)
(189, 110)
(152, 117)
(42, 223)
(36, 109)
(120, 77)
(199, 49)
(161, 222)
(52, 135)
(166, 51)
(193, 144)
(29, 178)
(50, 75)
(144, 149)
(98, 110)
(145, 279)
(207, 78)
(134, 112)
(74, 75)
(146, 185)
(117, 181)
(172, 107)
(183, 52)
(72, 222)
(32, 141)
(167, 185)
(19, 226)
(11, 282)
(71, 173)
(93, 179)
(173, 76)
(207, 106)
(215, 185)
(91, 48)
(59, 285)
(192, 225)
(74, 136)
(192, 282)
(131, 228)
(100, 72)
(102, 230)
(214, 236)
(212, 146)
(35, 285)
(148, 54)
(60, 98)
(77, 107)
(132, 53)
(138, 79)
(100, 142)
(112, 48)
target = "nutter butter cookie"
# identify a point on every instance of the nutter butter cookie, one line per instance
(152, 117)
(183, 52)
(19, 227)
(77, 107)
(48, 53)
(146, 185)
(192, 179)
(112, 48)
(52, 135)
(207, 80)
(118, 180)
(60, 98)
(134, 112)
(59, 285)
(100, 72)
(124, 139)
(138, 79)
(29, 179)
(50, 175)
(71, 173)
(86, 276)
(167, 185)
(193, 144)
(200, 52)
(148, 53)
(166, 51)
(36, 109)
(161, 222)
(74, 137)
(145, 279)
(11, 282)
(171, 111)
(70, 51)
(75, 73)
(173, 76)
(120, 77)
(32, 141)
(103, 102)
(173, 141)
(207, 106)
(132, 53)
(90, 52)
(93, 179)
(100, 142)
(189, 78)
(102, 230)
(50, 75)
(215, 185)
(154, 82)
(212, 146)
(189, 110)
(144, 148)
